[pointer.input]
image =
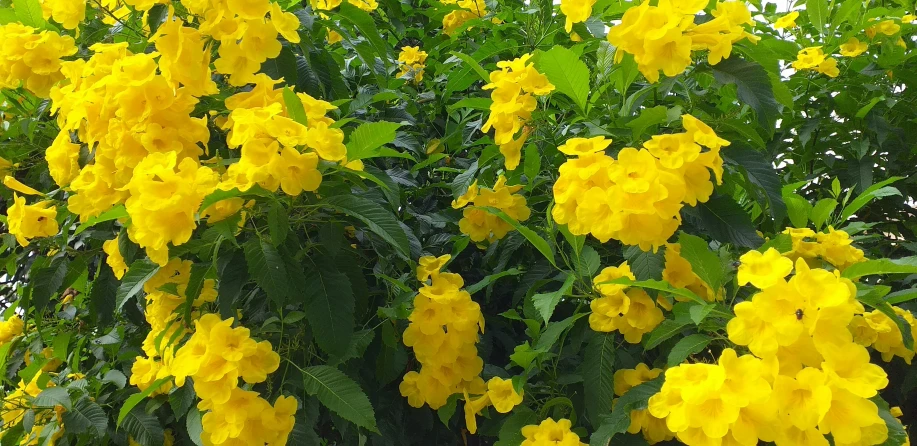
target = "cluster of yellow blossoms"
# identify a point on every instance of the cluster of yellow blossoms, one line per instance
(679, 273)
(328, 5)
(575, 11)
(481, 225)
(471, 9)
(813, 58)
(412, 61)
(653, 429)
(637, 197)
(499, 393)
(31, 58)
(806, 376)
(216, 356)
(276, 150)
(551, 433)
(9, 329)
(514, 86)
(443, 331)
(629, 311)
(165, 293)
(662, 37)
(833, 246)
(17, 402)
(26, 222)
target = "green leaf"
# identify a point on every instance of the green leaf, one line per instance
(473, 64)
(359, 342)
(267, 268)
(761, 173)
(61, 345)
(366, 140)
(598, 375)
(753, 87)
(143, 427)
(379, 220)
(446, 412)
(899, 297)
(878, 190)
(329, 307)
(663, 332)
(294, 106)
(219, 195)
(487, 280)
(536, 240)
(798, 209)
(53, 396)
(687, 346)
(472, 103)
(648, 118)
(195, 285)
(705, 263)
(340, 394)
(461, 182)
(7, 15)
(658, 285)
(46, 282)
(822, 211)
(193, 423)
(904, 265)
(114, 213)
(133, 400)
(181, 399)
(86, 415)
(552, 333)
(232, 271)
(818, 13)
(724, 220)
(132, 282)
(546, 302)
(29, 13)
(567, 72)
(619, 419)
(847, 9)
(897, 434)
(510, 433)
(278, 223)
(532, 164)
(367, 27)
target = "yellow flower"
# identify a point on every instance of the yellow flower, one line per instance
(576, 11)
(114, 259)
(512, 150)
(30, 221)
(584, 146)
(763, 270)
(551, 432)
(472, 408)
(853, 47)
(787, 21)
(502, 394)
(16, 185)
(431, 266)
(809, 58)
(10, 328)
(673, 150)
(804, 400)
(829, 67)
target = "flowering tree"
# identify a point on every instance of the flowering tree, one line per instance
(247, 222)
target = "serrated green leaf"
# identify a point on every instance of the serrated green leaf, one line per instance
(366, 140)
(46, 282)
(340, 394)
(487, 280)
(663, 332)
(598, 375)
(329, 307)
(536, 240)
(818, 14)
(687, 346)
(761, 173)
(648, 118)
(377, 218)
(753, 87)
(130, 405)
(267, 268)
(878, 190)
(294, 106)
(705, 263)
(473, 64)
(53, 396)
(546, 302)
(822, 211)
(114, 213)
(144, 428)
(619, 419)
(724, 220)
(86, 415)
(133, 280)
(567, 73)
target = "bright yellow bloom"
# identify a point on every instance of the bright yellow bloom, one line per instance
(32, 58)
(576, 11)
(429, 266)
(550, 432)
(584, 146)
(481, 225)
(114, 259)
(787, 21)
(763, 270)
(10, 328)
(502, 394)
(17, 186)
(30, 221)
(853, 47)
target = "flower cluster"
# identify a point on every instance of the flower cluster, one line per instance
(576, 11)
(276, 150)
(641, 420)
(443, 331)
(481, 225)
(813, 58)
(26, 222)
(18, 402)
(551, 433)
(637, 197)
(630, 311)
(69, 13)
(662, 37)
(471, 9)
(216, 356)
(834, 247)
(679, 273)
(10, 328)
(328, 5)
(499, 393)
(31, 58)
(875, 329)
(514, 87)
(412, 61)
(165, 293)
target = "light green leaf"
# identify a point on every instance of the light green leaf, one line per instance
(342, 395)
(798, 209)
(473, 64)
(904, 265)
(487, 280)
(114, 213)
(567, 73)
(366, 140)
(536, 240)
(472, 103)
(132, 401)
(648, 118)
(878, 190)
(663, 332)
(132, 282)
(687, 346)
(658, 285)
(705, 263)
(818, 14)
(821, 211)
(29, 13)
(294, 107)
(552, 333)
(546, 302)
